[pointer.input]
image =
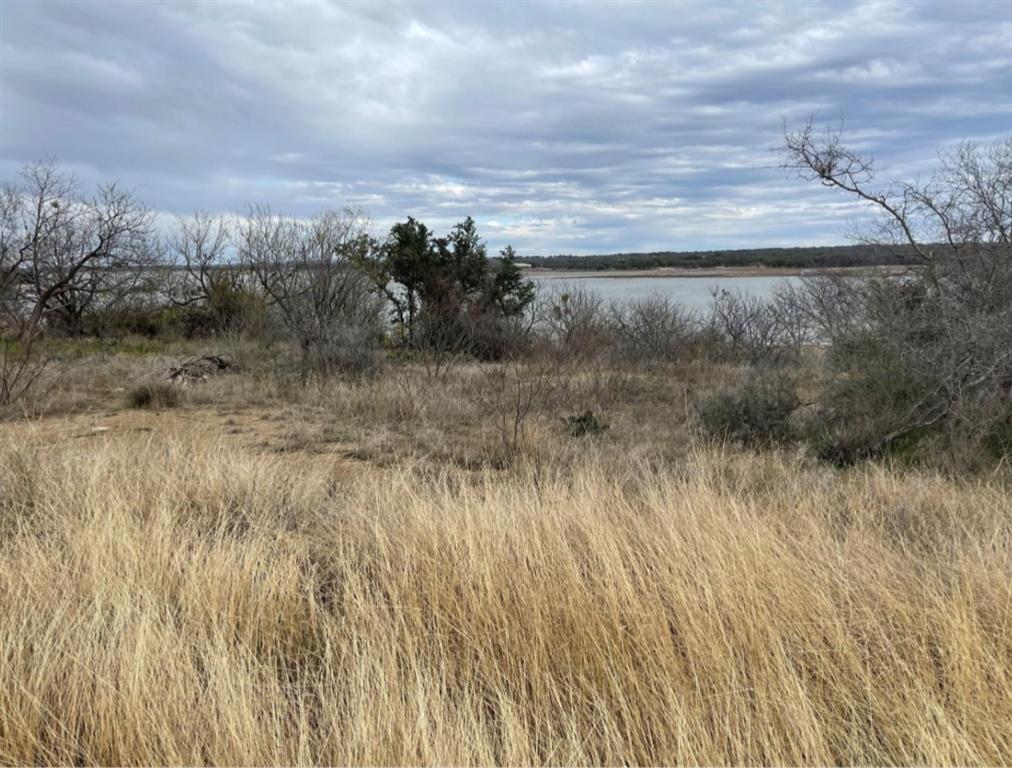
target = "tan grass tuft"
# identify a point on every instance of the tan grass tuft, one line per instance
(177, 601)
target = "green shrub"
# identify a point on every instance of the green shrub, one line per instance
(871, 404)
(156, 396)
(998, 438)
(584, 424)
(227, 308)
(135, 320)
(757, 415)
(347, 351)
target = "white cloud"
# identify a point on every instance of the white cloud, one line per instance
(596, 127)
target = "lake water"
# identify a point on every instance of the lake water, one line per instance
(694, 293)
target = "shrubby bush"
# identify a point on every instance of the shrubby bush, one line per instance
(351, 350)
(228, 308)
(584, 424)
(998, 437)
(927, 354)
(913, 360)
(575, 322)
(757, 415)
(491, 336)
(131, 320)
(752, 330)
(155, 395)
(866, 399)
(651, 329)
(306, 271)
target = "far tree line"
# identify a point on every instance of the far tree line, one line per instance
(815, 257)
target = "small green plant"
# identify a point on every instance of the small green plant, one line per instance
(998, 439)
(758, 415)
(156, 396)
(584, 424)
(871, 404)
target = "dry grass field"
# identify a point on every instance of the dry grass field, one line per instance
(363, 573)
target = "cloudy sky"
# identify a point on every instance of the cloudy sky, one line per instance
(561, 128)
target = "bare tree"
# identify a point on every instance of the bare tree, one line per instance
(755, 330)
(61, 255)
(12, 256)
(825, 307)
(959, 222)
(651, 329)
(199, 245)
(574, 320)
(798, 328)
(76, 253)
(949, 321)
(20, 366)
(204, 276)
(306, 268)
(512, 392)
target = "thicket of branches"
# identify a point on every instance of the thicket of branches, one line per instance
(63, 254)
(931, 352)
(306, 271)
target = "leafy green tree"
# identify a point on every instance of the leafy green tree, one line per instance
(453, 287)
(508, 290)
(464, 259)
(440, 287)
(399, 268)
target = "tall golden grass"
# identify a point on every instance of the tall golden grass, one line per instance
(174, 600)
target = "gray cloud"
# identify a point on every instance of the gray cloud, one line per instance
(560, 127)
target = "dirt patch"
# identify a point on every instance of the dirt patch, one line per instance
(295, 444)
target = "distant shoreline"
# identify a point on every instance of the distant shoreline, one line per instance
(710, 272)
